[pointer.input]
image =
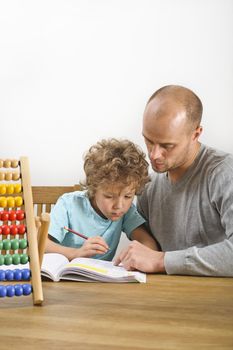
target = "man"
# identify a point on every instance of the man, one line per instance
(189, 202)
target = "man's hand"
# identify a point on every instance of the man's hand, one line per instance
(139, 257)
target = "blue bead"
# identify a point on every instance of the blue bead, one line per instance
(26, 273)
(27, 289)
(18, 290)
(17, 275)
(9, 275)
(2, 291)
(10, 291)
(2, 275)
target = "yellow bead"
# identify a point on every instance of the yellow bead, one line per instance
(1, 163)
(2, 188)
(10, 202)
(3, 202)
(17, 188)
(10, 189)
(18, 201)
(2, 176)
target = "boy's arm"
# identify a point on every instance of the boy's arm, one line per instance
(141, 235)
(91, 246)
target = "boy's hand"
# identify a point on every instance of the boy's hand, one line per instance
(93, 246)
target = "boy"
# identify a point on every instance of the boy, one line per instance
(115, 171)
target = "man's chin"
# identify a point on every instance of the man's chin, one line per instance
(159, 169)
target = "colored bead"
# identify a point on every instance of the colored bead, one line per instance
(2, 176)
(7, 259)
(2, 188)
(22, 243)
(7, 163)
(4, 215)
(23, 258)
(26, 274)
(5, 230)
(1, 243)
(14, 163)
(15, 175)
(9, 275)
(21, 229)
(1, 163)
(14, 244)
(17, 275)
(16, 259)
(20, 215)
(8, 176)
(17, 188)
(10, 291)
(13, 230)
(27, 289)
(3, 291)
(18, 201)
(2, 260)
(3, 202)
(18, 290)
(6, 244)
(12, 215)
(10, 189)
(10, 202)
(2, 275)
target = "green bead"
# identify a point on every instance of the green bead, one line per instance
(14, 244)
(1, 245)
(22, 243)
(15, 259)
(23, 258)
(7, 259)
(6, 244)
(2, 260)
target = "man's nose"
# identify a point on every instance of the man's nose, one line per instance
(155, 152)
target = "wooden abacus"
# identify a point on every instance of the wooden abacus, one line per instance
(18, 240)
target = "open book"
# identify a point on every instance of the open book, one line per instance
(57, 267)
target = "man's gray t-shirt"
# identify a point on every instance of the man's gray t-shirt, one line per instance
(192, 219)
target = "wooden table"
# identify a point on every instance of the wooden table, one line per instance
(168, 312)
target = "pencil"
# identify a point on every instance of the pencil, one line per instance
(76, 233)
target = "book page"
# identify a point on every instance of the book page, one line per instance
(52, 264)
(101, 270)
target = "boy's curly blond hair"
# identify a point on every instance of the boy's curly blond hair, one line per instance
(111, 161)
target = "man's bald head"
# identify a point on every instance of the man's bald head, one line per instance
(180, 98)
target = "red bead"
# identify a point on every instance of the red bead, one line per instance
(20, 215)
(4, 215)
(5, 230)
(12, 215)
(13, 230)
(21, 229)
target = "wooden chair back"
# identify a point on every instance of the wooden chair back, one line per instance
(44, 197)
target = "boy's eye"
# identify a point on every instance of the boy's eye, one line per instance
(129, 196)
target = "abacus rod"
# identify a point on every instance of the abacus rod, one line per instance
(31, 232)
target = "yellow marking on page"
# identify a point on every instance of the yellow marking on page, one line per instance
(93, 268)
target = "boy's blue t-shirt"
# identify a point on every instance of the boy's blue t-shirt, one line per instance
(74, 210)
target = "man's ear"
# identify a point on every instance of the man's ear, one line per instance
(197, 133)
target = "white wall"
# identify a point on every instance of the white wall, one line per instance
(73, 72)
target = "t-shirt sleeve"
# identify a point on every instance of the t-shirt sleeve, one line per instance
(58, 219)
(132, 219)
